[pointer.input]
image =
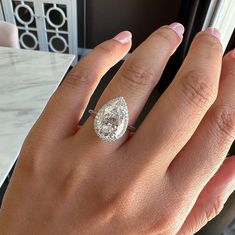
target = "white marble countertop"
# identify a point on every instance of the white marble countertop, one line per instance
(27, 80)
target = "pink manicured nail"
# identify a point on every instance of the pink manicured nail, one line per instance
(123, 37)
(214, 32)
(178, 28)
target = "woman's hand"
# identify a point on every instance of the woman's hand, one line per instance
(168, 178)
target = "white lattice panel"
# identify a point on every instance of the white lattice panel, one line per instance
(23, 15)
(1, 12)
(60, 22)
(47, 25)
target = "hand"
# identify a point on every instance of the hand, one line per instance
(167, 178)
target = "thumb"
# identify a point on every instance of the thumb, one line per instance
(212, 198)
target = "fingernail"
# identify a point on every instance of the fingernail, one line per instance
(178, 28)
(214, 32)
(123, 37)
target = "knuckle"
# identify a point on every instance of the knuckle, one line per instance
(197, 89)
(137, 74)
(78, 76)
(214, 208)
(223, 117)
(31, 157)
(107, 48)
(209, 41)
(165, 34)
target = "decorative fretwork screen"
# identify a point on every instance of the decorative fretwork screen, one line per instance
(47, 25)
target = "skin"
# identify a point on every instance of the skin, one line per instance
(170, 177)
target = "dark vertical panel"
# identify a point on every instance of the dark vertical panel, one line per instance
(192, 15)
(231, 44)
(3, 189)
(80, 6)
(105, 18)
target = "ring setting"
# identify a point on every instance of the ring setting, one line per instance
(111, 121)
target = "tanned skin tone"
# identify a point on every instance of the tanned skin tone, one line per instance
(170, 177)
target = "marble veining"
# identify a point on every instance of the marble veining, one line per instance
(27, 80)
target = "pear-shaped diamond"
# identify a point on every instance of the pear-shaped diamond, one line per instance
(111, 120)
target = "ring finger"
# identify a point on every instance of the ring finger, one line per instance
(138, 76)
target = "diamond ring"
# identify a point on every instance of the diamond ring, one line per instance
(111, 121)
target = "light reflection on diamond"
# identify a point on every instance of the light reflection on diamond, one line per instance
(111, 120)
